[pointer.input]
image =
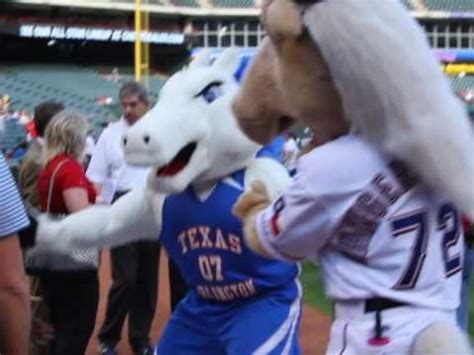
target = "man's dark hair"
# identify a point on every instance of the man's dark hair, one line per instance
(132, 88)
(44, 112)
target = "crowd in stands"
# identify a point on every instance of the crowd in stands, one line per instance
(89, 90)
(18, 130)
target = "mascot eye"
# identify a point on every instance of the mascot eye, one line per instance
(211, 92)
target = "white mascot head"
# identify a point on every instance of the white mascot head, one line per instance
(191, 135)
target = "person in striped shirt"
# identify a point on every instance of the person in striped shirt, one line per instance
(14, 292)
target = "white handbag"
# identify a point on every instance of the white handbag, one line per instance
(37, 259)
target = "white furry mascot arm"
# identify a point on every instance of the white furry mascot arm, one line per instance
(135, 216)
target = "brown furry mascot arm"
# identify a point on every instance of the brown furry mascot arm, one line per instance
(300, 220)
(246, 208)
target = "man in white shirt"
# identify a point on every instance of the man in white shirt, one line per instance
(134, 266)
(89, 150)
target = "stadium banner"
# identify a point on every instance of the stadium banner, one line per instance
(434, 14)
(58, 32)
(455, 55)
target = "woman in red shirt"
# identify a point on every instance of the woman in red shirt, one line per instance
(70, 282)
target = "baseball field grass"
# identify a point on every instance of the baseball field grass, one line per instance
(314, 293)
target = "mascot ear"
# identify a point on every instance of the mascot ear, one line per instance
(229, 60)
(202, 59)
(283, 19)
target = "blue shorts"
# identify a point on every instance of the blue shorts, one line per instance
(266, 324)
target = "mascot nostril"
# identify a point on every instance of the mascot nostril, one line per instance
(124, 141)
(146, 138)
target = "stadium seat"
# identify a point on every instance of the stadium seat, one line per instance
(463, 84)
(233, 3)
(450, 5)
(78, 87)
(408, 4)
(14, 135)
(186, 3)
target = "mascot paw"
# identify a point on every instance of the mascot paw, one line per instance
(253, 200)
(282, 19)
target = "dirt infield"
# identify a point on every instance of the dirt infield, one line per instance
(314, 327)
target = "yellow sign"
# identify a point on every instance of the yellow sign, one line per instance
(459, 68)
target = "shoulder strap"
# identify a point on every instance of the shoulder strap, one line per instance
(51, 183)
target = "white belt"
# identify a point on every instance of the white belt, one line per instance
(355, 309)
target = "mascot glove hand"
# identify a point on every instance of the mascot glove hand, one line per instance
(47, 233)
(252, 201)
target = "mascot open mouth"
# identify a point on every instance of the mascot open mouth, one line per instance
(179, 162)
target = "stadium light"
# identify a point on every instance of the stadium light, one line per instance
(138, 40)
(222, 31)
(142, 48)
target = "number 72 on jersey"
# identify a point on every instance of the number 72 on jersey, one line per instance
(448, 225)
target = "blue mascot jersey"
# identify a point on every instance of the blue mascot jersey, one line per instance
(205, 241)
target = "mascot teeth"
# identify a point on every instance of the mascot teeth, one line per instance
(179, 162)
